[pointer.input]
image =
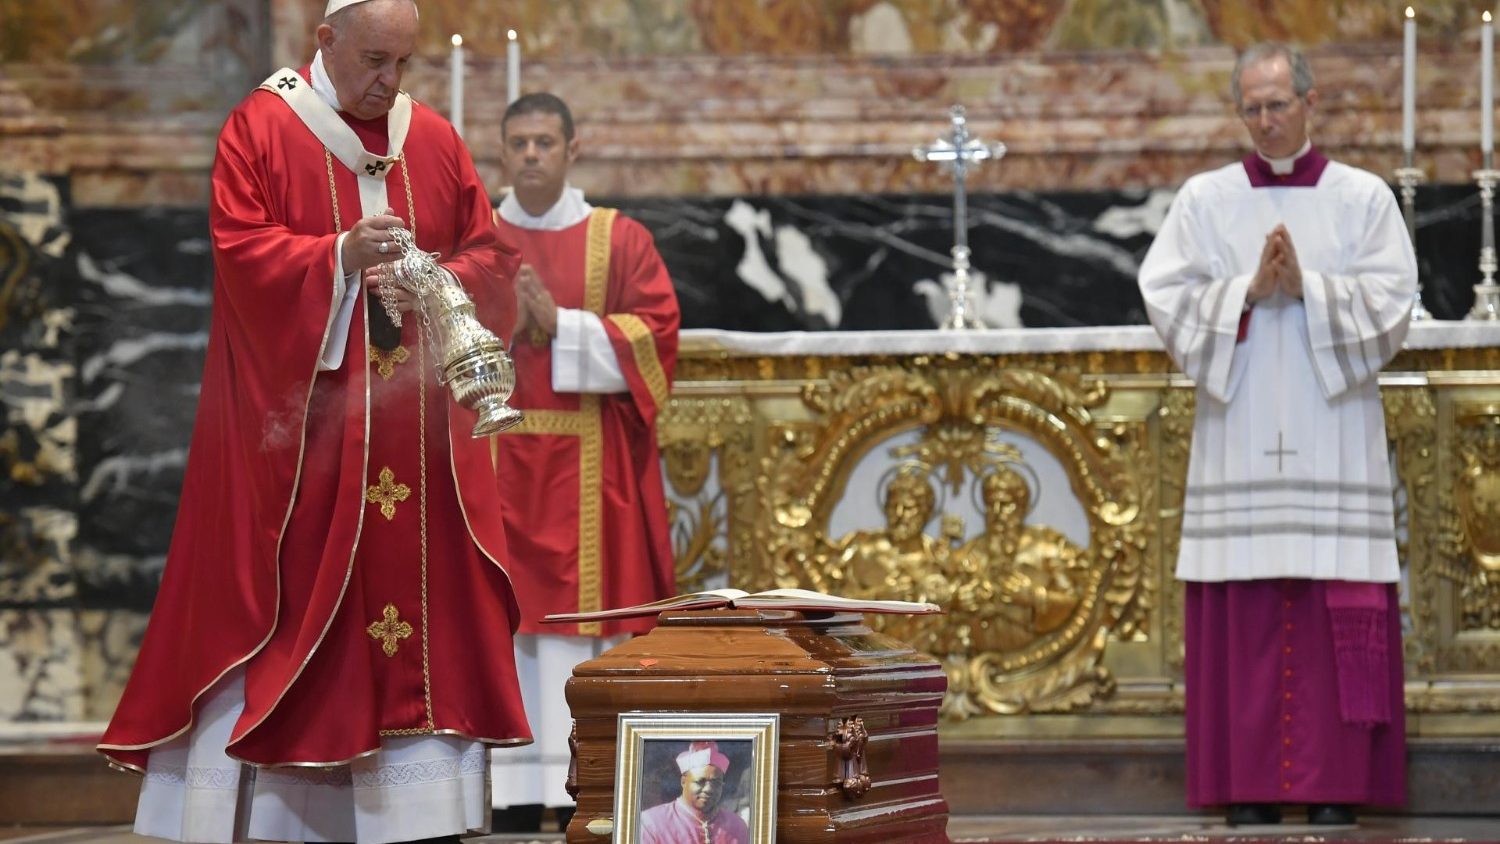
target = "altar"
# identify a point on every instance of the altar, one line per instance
(790, 457)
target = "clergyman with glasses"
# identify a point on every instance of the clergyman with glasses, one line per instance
(1282, 284)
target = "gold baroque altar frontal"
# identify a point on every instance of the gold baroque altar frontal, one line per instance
(1031, 481)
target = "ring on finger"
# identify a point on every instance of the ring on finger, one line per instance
(385, 246)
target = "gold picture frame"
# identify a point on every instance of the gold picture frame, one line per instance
(672, 770)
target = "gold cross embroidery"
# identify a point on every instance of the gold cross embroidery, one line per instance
(389, 629)
(387, 493)
(385, 362)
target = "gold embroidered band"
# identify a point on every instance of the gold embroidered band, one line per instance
(643, 348)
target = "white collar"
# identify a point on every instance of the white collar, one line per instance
(322, 83)
(569, 210)
(1283, 166)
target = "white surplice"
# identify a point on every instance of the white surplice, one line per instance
(1289, 474)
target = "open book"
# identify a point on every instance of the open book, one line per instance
(781, 599)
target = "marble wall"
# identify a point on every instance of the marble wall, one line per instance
(39, 666)
(617, 28)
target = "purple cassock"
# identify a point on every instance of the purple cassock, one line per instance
(1264, 720)
(678, 823)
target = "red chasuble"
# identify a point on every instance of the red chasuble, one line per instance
(337, 534)
(585, 510)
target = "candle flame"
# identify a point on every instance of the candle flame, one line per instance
(511, 34)
(458, 40)
(1410, 12)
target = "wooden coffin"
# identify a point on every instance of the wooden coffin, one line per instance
(858, 747)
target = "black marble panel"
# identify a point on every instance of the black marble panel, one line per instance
(1040, 259)
(1448, 239)
(145, 281)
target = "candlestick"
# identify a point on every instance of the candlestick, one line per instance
(1487, 90)
(1486, 292)
(1409, 83)
(512, 67)
(456, 84)
(1408, 177)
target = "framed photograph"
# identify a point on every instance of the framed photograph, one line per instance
(687, 778)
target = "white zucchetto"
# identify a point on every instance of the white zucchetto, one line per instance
(337, 5)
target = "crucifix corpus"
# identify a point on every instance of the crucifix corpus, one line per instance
(959, 150)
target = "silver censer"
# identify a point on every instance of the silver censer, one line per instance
(474, 363)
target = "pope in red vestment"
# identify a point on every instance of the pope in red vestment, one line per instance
(338, 539)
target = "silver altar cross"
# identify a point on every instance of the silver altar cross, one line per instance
(958, 151)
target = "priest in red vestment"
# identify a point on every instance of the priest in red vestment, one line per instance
(581, 482)
(330, 656)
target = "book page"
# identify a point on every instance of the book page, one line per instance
(709, 598)
(786, 599)
(789, 598)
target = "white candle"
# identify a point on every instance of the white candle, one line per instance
(1487, 89)
(512, 67)
(1409, 84)
(456, 84)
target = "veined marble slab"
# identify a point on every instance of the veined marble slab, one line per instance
(1434, 334)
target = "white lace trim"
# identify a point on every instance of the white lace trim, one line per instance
(222, 779)
(422, 771)
(474, 761)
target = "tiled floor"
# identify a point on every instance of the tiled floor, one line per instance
(1076, 828)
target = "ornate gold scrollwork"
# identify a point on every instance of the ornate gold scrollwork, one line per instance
(1030, 612)
(693, 433)
(849, 740)
(1476, 497)
(1431, 546)
(1449, 459)
(1176, 434)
